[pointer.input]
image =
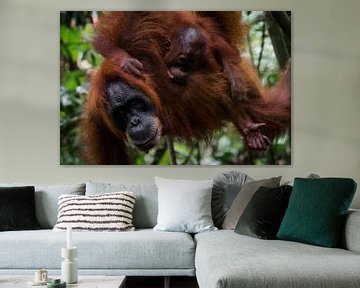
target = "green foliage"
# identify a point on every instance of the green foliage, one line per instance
(78, 58)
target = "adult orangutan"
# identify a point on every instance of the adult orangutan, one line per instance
(177, 74)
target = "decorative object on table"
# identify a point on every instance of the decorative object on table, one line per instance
(41, 275)
(69, 265)
(56, 283)
(40, 279)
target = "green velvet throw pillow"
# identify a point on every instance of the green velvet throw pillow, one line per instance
(263, 215)
(17, 208)
(316, 211)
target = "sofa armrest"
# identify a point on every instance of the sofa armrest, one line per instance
(351, 234)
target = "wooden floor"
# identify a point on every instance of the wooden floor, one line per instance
(158, 282)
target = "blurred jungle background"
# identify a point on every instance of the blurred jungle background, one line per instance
(268, 47)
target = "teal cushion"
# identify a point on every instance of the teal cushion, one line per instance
(316, 211)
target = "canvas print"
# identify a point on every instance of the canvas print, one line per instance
(175, 88)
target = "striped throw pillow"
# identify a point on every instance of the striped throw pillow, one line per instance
(105, 212)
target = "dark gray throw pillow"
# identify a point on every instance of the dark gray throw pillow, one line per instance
(225, 189)
(17, 208)
(263, 215)
(243, 198)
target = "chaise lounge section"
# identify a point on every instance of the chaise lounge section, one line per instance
(226, 259)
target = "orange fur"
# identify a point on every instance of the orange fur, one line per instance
(191, 111)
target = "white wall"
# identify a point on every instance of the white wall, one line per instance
(326, 89)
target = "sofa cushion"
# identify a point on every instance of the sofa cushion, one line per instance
(184, 205)
(317, 210)
(351, 237)
(243, 198)
(17, 208)
(225, 259)
(291, 182)
(263, 215)
(105, 212)
(46, 200)
(142, 249)
(146, 205)
(225, 189)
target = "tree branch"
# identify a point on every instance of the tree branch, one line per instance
(262, 47)
(277, 36)
(284, 21)
(170, 144)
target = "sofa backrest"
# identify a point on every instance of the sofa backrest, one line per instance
(46, 200)
(146, 203)
(351, 236)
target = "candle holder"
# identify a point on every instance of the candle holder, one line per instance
(68, 265)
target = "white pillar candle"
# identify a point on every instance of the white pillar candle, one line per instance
(69, 237)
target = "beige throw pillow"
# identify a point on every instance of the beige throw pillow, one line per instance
(243, 198)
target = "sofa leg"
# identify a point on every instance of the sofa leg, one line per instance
(167, 282)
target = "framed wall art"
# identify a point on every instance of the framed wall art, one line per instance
(175, 88)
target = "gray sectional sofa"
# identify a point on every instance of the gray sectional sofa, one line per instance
(218, 258)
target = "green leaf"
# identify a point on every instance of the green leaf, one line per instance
(165, 159)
